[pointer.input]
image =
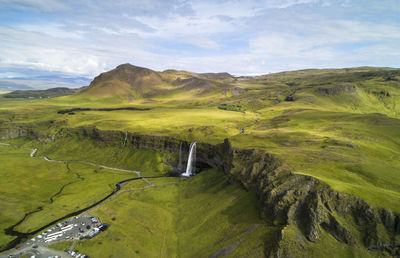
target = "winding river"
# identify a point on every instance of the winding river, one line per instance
(21, 236)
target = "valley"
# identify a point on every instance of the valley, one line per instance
(279, 158)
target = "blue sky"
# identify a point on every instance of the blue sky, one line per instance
(83, 38)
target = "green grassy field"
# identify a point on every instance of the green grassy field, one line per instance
(197, 217)
(28, 183)
(149, 162)
(342, 129)
(339, 126)
(202, 216)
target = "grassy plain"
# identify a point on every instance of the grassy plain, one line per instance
(197, 217)
(203, 216)
(28, 183)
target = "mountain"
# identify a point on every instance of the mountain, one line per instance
(126, 80)
(130, 82)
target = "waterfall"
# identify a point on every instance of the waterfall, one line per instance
(191, 160)
(126, 137)
(180, 157)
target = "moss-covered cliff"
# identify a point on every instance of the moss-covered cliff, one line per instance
(310, 206)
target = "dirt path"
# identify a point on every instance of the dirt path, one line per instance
(110, 197)
(71, 248)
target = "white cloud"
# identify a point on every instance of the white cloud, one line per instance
(288, 3)
(241, 37)
(36, 5)
(47, 53)
(202, 42)
(323, 35)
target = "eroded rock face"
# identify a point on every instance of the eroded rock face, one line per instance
(10, 133)
(310, 204)
(43, 131)
(207, 155)
(335, 90)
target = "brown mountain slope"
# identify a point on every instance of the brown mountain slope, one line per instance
(130, 82)
(125, 80)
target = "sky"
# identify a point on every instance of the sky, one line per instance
(82, 38)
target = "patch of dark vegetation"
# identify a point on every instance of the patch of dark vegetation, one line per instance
(72, 111)
(381, 93)
(229, 107)
(292, 84)
(289, 98)
(389, 78)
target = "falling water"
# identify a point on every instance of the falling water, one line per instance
(126, 137)
(191, 160)
(180, 157)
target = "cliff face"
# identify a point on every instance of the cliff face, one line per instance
(207, 154)
(286, 198)
(10, 133)
(41, 131)
(310, 204)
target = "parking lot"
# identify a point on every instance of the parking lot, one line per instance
(73, 229)
(78, 227)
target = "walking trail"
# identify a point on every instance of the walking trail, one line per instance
(119, 190)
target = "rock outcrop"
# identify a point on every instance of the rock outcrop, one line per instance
(311, 205)
(10, 133)
(207, 154)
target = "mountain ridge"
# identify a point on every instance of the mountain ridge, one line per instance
(133, 82)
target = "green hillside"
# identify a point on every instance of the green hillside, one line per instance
(128, 83)
(339, 126)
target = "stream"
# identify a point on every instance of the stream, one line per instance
(23, 236)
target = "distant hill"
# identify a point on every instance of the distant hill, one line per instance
(42, 82)
(36, 94)
(131, 82)
(218, 76)
(362, 88)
